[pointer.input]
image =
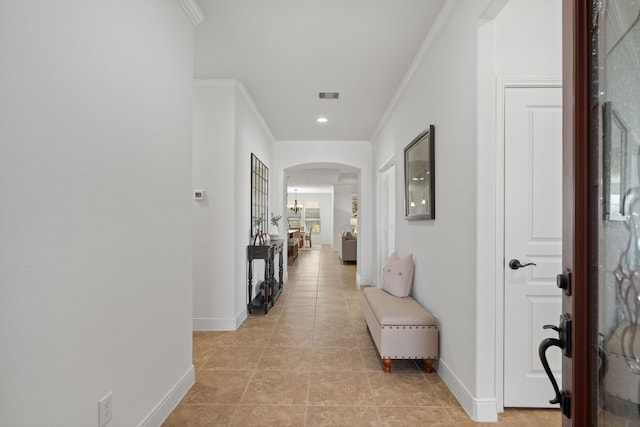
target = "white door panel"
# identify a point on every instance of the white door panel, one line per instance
(533, 233)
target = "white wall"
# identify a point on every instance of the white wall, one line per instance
(227, 129)
(95, 229)
(252, 136)
(342, 196)
(453, 87)
(352, 153)
(214, 217)
(512, 48)
(442, 92)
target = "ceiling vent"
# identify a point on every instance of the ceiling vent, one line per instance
(328, 95)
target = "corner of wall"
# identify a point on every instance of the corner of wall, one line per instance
(193, 11)
(241, 90)
(479, 410)
(215, 324)
(171, 400)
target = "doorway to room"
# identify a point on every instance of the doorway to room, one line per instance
(318, 200)
(386, 213)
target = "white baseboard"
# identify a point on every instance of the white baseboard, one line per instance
(479, 410)
(215, 324)
(241, 317)
(171, 400)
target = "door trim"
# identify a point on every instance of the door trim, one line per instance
(576, 69)
(502, 84)
(388, 164)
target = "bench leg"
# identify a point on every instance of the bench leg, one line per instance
(428, 365)
(387, 365)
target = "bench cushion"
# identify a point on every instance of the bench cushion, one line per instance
(393, 311)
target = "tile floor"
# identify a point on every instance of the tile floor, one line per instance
(312, 362)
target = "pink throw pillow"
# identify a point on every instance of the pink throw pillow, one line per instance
(397, 276)
(392, 258)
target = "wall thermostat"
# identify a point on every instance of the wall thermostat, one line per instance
(198, 194)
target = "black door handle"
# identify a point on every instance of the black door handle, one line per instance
(514, 264)
(542, 352)
(564, 343)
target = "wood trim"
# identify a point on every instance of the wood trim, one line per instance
(576, 229)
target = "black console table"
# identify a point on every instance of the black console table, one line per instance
(266, 252)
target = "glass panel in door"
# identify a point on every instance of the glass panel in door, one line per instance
(615, 176)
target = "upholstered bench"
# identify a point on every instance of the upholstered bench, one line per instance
(401, 328)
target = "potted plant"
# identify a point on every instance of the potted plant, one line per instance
(273, 232)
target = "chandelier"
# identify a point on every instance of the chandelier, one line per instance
(295, 208)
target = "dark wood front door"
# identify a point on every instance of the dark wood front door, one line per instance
(601, 210)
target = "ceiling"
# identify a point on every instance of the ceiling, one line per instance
(287, 51)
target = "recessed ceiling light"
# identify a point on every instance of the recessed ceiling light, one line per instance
(322, 120)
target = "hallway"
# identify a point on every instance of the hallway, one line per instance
(311, 362)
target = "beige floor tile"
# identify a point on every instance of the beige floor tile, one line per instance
(269, 416)
(331, 324)
(415, 417)
(333, 311)
(277, 388)
(339, 388)
(364, 339)
(299, 310)
(301, 338)
(459, 418)
(218, 386)
(234, 357)
(259, 322)
(549, 417)
(444, 394)
(402, 389)
(204, 345)
(336, 359)
(311, 361)
(529, 418)
(200, 416)
(281, 358)
(303, 294)
(370, 359)
(340, 416)
(328, 302)
(345, 338)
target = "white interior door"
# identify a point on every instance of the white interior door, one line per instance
(533, 234)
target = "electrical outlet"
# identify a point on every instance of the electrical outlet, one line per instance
(105, 409)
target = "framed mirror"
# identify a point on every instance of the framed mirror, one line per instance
(259, 196)
(419, 176)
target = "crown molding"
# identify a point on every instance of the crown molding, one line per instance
(321, 142)
(493, 9)
(228, 83)
(193, 11)
(242, 90)
(444, 18)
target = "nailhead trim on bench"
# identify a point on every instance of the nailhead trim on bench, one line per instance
(410, 327)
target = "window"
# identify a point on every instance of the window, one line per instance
(312, 216)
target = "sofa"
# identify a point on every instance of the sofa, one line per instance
(348, 248)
